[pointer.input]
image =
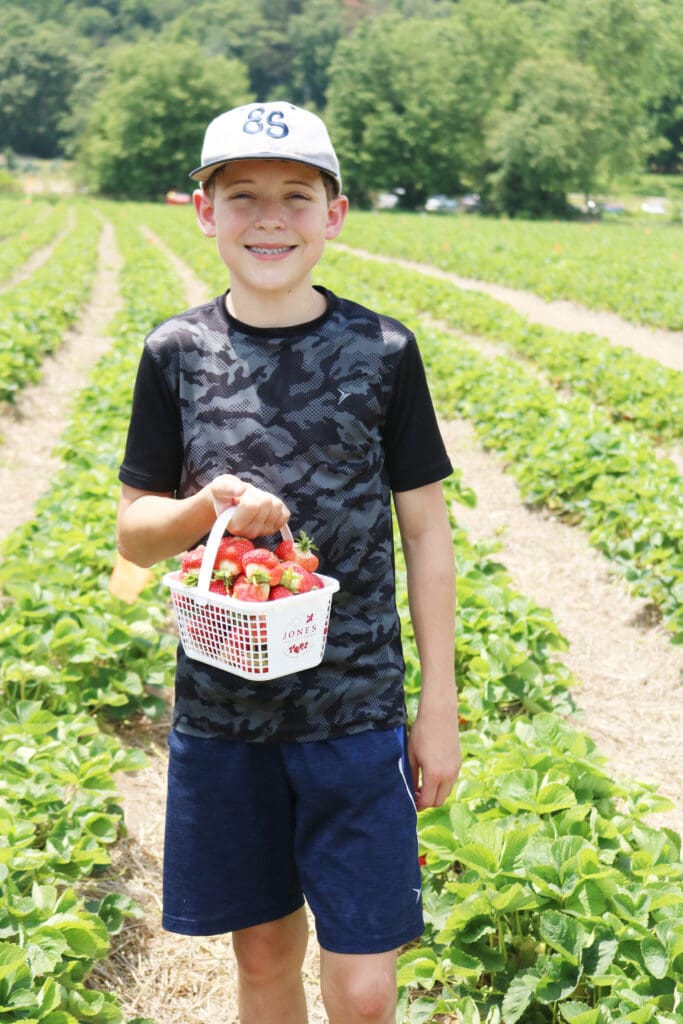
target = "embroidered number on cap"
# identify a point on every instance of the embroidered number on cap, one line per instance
(274, 125)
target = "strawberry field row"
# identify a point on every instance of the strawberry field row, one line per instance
(640, 268)
(546, 895)
(631, 387)
(73, 650)
(21, 214)
(35, 314)
(39, 225)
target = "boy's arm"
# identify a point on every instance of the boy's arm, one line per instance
(153, 526)
(434, 744)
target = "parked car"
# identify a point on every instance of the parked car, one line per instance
(654, 205)
(441, 204)
(386, 201)
(471, 203)
(174, 198)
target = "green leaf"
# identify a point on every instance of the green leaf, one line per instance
(439, 840)
(554, 797)
(518, 996)
(86, 938)
(597, 958)
(655, 956)
(45, 950)
(563, 933)
(420, 1010)
(478, 857)
(579, 1013)
(558, 980)
(418, 967)
(12, 959)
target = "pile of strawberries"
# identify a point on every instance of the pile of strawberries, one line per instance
(248, 573)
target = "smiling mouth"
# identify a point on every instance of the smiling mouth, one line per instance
(263, 250)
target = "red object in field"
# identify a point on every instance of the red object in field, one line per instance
(174, 198)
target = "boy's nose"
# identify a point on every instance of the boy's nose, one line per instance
(269, 214)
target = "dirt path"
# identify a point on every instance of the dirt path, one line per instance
(632, 677)
(664, 346)
(30, 430)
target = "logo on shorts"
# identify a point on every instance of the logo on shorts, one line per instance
(300, 634)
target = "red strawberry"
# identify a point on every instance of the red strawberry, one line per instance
(300, 551)
(277, 592)
(244, 590)
(190, 566)
(262, 566)
(299, 580)
(231, 550)
(218, 586)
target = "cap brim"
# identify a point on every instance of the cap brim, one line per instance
(204, 171)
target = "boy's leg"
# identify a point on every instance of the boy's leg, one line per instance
(356, 842)
(269, 959)
(359, 988)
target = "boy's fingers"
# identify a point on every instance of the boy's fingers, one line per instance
(258, 514)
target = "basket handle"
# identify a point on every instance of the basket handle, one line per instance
(214, 539)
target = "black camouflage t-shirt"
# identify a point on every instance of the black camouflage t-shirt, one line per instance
(332, 415)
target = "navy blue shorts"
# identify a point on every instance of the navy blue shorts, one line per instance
(254, 828)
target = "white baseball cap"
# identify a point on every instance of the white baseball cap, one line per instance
(267, 131)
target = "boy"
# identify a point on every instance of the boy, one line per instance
(284, 400)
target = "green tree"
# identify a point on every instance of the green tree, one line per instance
(252, 34)
(408, 98)
(145, 127)
(38, 68)
(665, 107)
(621, 41)
(549, 137)
(313, 37)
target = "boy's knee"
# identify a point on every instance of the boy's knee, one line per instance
(364, 986)
(268, 949)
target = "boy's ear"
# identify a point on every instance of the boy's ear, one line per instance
(336, 215)
(203, 207)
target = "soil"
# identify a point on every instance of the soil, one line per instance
(630, 676)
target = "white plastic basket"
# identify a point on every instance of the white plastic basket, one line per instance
(251, 639)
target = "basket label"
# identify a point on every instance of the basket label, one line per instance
(300, 633)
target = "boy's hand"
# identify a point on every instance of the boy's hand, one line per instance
(434, 751)
(257, 513)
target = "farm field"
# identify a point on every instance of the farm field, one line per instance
(553, 878)
(641, 269)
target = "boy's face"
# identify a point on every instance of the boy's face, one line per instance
(271, 219)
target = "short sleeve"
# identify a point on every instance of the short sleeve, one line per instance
(415, 452)
(153, 454)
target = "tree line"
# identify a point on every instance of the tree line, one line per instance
(522, 101)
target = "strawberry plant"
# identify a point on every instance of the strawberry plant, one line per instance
(35, 314)
(17, 215)
(31, 228)
(546, 896)
(73, 650)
